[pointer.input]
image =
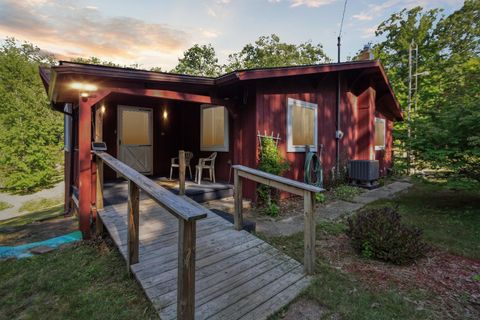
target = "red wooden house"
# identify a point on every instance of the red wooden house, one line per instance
(146, 117)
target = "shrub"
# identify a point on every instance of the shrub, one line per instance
(272, 162)
(379, 234)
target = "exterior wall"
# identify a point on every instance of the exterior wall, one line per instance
(385, 157)
(357, 121)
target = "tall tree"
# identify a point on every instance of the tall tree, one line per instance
(30, 131)
(445, 126)
(269, 51)
(199, 60)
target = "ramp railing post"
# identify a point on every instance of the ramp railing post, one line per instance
(238, 216)
(133, 223)
(309, 233)
(186, 270)
(181, 172)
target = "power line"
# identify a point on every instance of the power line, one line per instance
(343, 17)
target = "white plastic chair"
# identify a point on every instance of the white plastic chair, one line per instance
(174, 163)
(206, 163)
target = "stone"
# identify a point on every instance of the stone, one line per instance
(41, 250)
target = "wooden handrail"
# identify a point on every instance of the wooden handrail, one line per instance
(186, 213)
(172, 203)
(299, 188)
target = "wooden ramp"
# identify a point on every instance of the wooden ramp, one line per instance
(238, 276)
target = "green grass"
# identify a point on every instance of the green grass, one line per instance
(5, 205)
(32, 217)
(448, 213)
(341, 294)
(79, 282)
(39, 204)
(345, 192)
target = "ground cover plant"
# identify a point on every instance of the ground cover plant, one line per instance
(4, 205)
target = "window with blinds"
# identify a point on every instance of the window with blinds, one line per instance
(214, 128)
(302, 125)
(380, 127)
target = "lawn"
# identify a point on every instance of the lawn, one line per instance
(83, 281)
(441, 285)
(448, 213)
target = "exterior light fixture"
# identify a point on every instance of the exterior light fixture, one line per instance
(83, 86)
(102, 109)
(165, 115)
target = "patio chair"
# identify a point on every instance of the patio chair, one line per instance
(206, 163)
(175, 164)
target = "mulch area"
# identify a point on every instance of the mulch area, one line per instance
(447, 279)
(37, 231)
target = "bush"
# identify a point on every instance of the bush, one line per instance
(379, 234)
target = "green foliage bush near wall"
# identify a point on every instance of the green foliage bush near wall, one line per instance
(272, 162)
(30, 131)
(379, 234)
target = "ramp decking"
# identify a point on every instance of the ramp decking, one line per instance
(238, 276)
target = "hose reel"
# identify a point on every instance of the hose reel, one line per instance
(313, 170)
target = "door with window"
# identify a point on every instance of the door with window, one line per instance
(135, 138)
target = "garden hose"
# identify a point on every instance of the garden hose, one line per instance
(313, 171)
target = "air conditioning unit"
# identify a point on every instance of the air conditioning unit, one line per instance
(364, 172)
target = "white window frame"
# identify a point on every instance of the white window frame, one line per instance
(304, 104)
(384, 133)
(217, 148)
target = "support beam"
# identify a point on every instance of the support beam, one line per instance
(238, 215)
(133, 223)
(85, 167)
(181, 172)
(186, 270)
(309, 233)
(165, 94)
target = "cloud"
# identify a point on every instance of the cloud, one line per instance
(211, 12)
(362, 17)
(209, 34)
(68, 29)
(368, 32)
(310, 3)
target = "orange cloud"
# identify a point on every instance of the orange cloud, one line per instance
(69, 30)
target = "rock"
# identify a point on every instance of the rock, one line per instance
(41, 250)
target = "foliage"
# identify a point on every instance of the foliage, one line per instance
(5, 205)
(345, 192)
(445, 125)
(379, 233)
(340, 294)
(84, 281)
(269, 51)
(319, 197)
(30, 131)
(199, 60)
(271, 209)
(39, 204)
(272, 162)
(446, 211)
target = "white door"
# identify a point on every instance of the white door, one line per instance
(135, 138)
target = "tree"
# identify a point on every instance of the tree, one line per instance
(199, 60)
(30, 131)
(268, 51)
(445, 126)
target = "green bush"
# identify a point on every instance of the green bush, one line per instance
(379, 234)
(272, 162)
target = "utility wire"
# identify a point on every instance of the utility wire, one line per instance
(343, 17)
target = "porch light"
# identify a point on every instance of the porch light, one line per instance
(83, 86)
(102, 109)
(165, 115)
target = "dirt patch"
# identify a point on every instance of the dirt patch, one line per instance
(304, 309)
(448, 280)
(37, 231)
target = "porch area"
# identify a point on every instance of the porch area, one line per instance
(116, 191)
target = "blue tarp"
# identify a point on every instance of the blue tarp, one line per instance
(21, 251)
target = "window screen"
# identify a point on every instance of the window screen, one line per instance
(214, 128)
(135, 127)
(302, 125)
(379, 133)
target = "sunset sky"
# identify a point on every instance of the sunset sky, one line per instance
(155, 32)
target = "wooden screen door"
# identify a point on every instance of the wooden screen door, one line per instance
(135, 138)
